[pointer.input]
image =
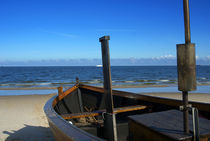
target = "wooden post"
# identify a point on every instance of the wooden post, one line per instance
(60, 90)
(110, 121)
(186, 64)
(77, 80)
(187, 21)
(79, 96)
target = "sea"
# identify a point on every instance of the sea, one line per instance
(55, 76)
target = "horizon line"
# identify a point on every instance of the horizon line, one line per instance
(2, 66)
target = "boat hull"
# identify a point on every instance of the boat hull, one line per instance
(70, 103)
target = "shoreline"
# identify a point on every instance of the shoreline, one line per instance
(113, 86)
(128, 88)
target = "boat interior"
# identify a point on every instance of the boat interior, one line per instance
(84, 107)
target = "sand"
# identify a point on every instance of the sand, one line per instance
(22, 118)
(199, 97)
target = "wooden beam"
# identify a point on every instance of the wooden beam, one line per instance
(187, 21)
(129, 108)
(109, 120)
(107, 73)
(63, 94)
(80, 115)
(68, 91)
(99, 112)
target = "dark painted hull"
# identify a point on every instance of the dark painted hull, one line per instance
(72, 102)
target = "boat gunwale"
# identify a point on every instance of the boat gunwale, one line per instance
(154, 99)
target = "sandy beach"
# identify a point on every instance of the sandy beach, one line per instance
(199, 97)
(23, 118)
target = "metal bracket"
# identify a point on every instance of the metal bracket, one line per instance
(182, 108)
(195, 121)
(196, 132)
(77, 80)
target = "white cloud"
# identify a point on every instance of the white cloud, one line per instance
(169, 56)
(162, 60)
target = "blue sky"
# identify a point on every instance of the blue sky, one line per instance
(36, 30)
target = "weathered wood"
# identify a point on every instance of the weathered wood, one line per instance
(99, 112)
(186, 64)
(110, 122)
(107, 73)
(129, 108)
(80, 100)
(60, 91)
(62, 130)
(62, 95)
(68, 91)
(152, 99)
(80, 115)
(163, 126)
(187, 21)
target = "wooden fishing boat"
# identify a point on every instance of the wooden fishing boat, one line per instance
(91, 113)
(78, 112)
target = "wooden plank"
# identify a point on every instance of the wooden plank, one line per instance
(145, 133)
(80, 115)
(168, 124)
(80, 100)
(99, 112)
(204, 125)
(129, 108)
(68, 91)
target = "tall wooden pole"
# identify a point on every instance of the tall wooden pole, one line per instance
(187, 21)
(187, 41)
(186, 65)
(110, 121)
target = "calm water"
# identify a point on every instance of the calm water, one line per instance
(121, 75)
